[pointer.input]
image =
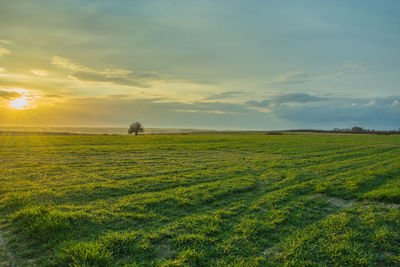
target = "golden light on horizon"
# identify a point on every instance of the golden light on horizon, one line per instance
(20, 103)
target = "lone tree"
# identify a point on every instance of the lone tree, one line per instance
(136, 128)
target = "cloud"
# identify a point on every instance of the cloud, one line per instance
(117, 96)
(228, 94)
(262, 110)
(110, 75)
(206, 111)
(53, 96)
(296, 98)
(300, 77)
(4, 51)
(13, 76)
(283, 99)
(65, 63)
(39, 72)
(9, 94)
(259, 104)
(346, 111)
(330, 109)
(291, 78)
(69, 65)
(353, 65)
(362, 115)
(101, 78)
(386, 100)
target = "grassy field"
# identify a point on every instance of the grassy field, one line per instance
(200, 200)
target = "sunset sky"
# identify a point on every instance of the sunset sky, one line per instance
(200, 64)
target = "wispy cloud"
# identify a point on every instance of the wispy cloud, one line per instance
(259, 104)
(14, 76)
(354, 65)
(207, 111)
(262, 110)
(110, 75)
(291, 78)
(224, 95)
(9, 94)
(65, 63)
(39, 72)
(4, 51)
(102, 78)
(300, 98)
(296, 98)
(53, 96)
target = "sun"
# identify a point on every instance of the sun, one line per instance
(20, 103)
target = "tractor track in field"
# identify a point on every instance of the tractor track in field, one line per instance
(341, 204)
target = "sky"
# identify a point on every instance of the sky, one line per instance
(226, 64)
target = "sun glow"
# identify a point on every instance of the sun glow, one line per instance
(20, 103)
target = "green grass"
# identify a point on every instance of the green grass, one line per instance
(200, 200)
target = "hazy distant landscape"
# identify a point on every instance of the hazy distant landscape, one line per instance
(96, 130)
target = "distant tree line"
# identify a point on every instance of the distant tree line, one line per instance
(351, 130)
(360, 130)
